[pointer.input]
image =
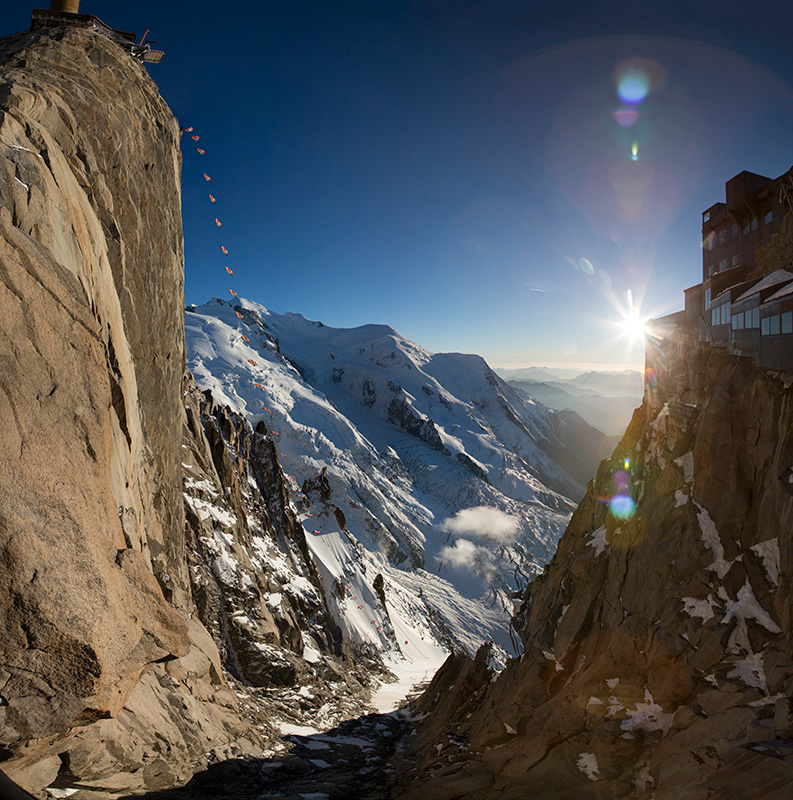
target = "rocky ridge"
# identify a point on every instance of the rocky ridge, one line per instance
(658, 657)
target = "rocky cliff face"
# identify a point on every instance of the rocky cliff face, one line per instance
(109, 677)
(92, 365)
(658, 655)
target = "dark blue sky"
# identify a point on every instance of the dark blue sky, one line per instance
(454, 169)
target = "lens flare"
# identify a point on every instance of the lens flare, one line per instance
(636, 78)
(622, 506)
(633, 86)
(650, 378)
(625, 117)
(586, 266)
(635, 151)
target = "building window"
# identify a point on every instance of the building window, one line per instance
(722, 265)
(721, 315)
(769, 217)
(709, 270)
(770, 326)
(755, 317)
(709, 241)
(707, 293)
(755, 223)
(746, 227)
(735, 260)
(706, 216)
(787, 322)
(734, 230)
(737, 321)
(722, 236)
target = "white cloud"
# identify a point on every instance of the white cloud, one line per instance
(483, 522)
(467, 555)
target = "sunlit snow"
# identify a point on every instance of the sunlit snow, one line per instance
(421, 452)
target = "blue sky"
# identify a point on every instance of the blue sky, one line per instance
(455, 169)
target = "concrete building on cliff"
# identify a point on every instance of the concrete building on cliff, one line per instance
(744, 303)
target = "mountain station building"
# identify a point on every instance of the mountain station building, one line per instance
(744, 303)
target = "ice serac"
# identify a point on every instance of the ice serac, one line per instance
(658, 656)
(94, 587)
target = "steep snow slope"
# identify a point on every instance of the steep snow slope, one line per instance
(424, 468)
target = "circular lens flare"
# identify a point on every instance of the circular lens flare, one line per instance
(633, 85)
(622, 506)
(586, 266)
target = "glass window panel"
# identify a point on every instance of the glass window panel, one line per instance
(764, 327)
(769, 217)
(787, 322)
(755, 223)
(773, 325)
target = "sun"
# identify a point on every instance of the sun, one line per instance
(633, 326)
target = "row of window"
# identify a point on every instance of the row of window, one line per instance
(752, 225)
(747, 319)
(720, 315)
(779, 323)
(723, 265)
(769, 326)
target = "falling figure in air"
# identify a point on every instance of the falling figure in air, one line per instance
(217, 222)
(229, 270)
(206, 177)
(232, 293)
(196, 138)
(225, 252)
(200, 151)
(212, 199)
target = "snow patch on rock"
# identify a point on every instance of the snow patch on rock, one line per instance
(588, 764)
(769, 552)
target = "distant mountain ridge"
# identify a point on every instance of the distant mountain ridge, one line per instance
(606, 400)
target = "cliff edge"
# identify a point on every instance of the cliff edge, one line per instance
(153, 571)
(94, 587)
(659, 656)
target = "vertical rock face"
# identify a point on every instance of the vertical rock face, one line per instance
(92, 654)
(658, 655)
(91, 363)
(110, 593)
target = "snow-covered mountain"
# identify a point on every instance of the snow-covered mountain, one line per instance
(424, 468)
